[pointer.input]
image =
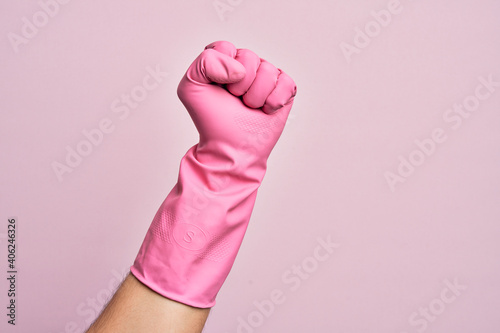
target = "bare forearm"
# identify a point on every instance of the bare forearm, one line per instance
(135, 308)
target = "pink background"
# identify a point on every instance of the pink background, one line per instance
(400, 250)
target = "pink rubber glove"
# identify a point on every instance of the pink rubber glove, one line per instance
(239, 103)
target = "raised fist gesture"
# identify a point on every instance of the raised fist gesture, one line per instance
(231, 93)
(239, 103)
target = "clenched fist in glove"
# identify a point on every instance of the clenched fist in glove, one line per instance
(239, 104)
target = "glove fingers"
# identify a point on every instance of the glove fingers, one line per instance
(283, 94)
(262, 86)
(251, 62)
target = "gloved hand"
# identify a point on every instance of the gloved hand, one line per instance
(239, 104)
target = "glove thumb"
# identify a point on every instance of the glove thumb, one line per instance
(216, 64)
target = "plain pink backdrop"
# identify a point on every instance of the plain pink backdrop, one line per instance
(354, 118)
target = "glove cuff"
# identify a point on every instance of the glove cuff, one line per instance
(194, 238)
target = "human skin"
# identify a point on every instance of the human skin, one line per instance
(135, 308)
